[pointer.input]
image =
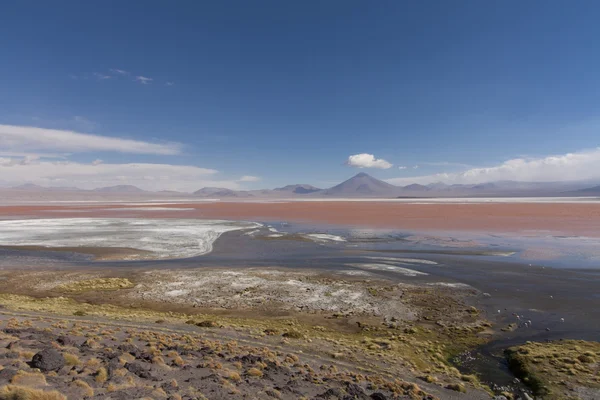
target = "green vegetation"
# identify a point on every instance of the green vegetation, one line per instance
(553, 369)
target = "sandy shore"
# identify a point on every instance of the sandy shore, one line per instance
(556, 218)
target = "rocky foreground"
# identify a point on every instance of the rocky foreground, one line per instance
(46, 358)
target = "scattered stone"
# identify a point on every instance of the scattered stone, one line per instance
(140, 370)
(48, 360)
(207, 324)
(65, 341)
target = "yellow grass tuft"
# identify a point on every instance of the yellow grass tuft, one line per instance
(232, 375)
(85, 387)
(29, 379)
(93, 363)
(101, 375)
(112, 388)
(28, 355)
(71, 359)
(11, 392)
(159, 393)
(255, 372)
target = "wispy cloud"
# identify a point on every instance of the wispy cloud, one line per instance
(100, 76)
(249, 178)
(119, 71)
(92, 175)
(365, 160)
(582, 165)
(143, 80)
(32, 139)
(447, 164)
(83, 123)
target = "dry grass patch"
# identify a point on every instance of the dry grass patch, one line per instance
(98, 284)
(232, 375)
(28, 379)
(71, 359)
(26, 354)
(255, 372)
(86, 389)
(159, 393)
(12, 392)
(93, 363)
(101, 375)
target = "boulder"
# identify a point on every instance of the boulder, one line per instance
(48, 360)
(140, 370)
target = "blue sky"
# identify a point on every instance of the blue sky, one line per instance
(286, 92)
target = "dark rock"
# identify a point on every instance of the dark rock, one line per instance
(356, 392)
(292, 386)
(140, 370)
(12, 345)
(10, 354)
(113, 365)
(378, 396)
(110, 354)
(247, 359)
(48, 360)
(333, 393)
(145, 356)
(7, 374)
(65, 341)
(207, 324)
(131, 349)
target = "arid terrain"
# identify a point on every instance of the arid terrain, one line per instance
(257, 334)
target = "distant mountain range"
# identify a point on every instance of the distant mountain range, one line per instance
(364, 185)
(120, 189)
(591, 191)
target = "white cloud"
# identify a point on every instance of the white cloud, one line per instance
(365, 160)
(582, 165)
(91, 175)
(249, 178)
(447, 164)
(169, 83)
(97, 162)
(143, 80)
(402, 167)
(119, 71)
(101, 76)
(28, 139)
(83, 123)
